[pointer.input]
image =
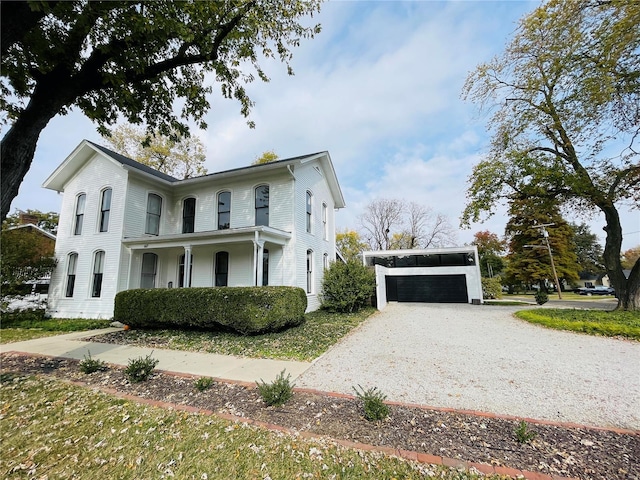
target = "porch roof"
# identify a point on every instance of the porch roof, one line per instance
(211, 237)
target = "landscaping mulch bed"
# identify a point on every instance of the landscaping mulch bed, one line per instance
(584, 453)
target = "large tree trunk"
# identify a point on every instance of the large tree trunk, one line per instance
(627, 289)
(19, 143)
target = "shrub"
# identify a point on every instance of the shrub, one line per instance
(203, 383)
(247, 310)
(373, 403)
(91, 365)
(347, 287)
(491, 288)
(139, 369)
(541, 297)
(277, 393)
(523, 434)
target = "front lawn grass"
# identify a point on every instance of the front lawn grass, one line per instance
(306, 342)
(50, 429)
(593, 322)
(19, 326)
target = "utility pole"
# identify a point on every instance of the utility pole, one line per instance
(545, 235)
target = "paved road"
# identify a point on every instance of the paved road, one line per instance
(482, 358)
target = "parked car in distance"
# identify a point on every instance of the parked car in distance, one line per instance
(598, 290)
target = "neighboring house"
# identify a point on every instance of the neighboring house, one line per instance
(436, 275)
(124, 225)
(46, 248)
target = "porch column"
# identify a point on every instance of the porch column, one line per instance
(187, 266)
(258, 251)
(129, 267)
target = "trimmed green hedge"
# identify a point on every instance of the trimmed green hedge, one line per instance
(248, 310)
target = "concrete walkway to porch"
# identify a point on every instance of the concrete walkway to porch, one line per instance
(77, 345)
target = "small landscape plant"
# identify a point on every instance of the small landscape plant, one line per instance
(523, 433)
(373, 403)
(139, 369)
(541, 297)
(91, 365)
(277, 393)
(203, 383)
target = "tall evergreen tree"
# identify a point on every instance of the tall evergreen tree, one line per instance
(529, 259)
(588, 250)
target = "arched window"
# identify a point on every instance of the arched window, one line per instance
(154, 210)
(188, 215)
(262, 205)
(222, 269)
(309, 210)
(325, 260)
(224, 210)
(309, 271)
(80, 202)
(325, 222)
(98, 269)
(105, 209)
(149, 270)
(71, 274)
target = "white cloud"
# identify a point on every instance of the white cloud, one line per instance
(379, 89)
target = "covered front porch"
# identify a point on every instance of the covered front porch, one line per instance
(248, 256)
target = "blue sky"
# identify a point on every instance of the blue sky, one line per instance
(379, 89)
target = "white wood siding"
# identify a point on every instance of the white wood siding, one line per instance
(130, 191)
(310, 177)
(97, 174)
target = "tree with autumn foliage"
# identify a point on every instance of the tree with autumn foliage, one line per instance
(565, 102)
(491, 250)
(630, 257)
(176, 155)
(266, 157)
(350, 245)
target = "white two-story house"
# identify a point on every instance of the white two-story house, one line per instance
(124, 225)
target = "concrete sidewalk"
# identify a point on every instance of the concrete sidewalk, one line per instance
(224, 367)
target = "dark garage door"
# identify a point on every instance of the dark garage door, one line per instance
(427, 288)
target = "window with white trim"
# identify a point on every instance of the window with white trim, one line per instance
(188, 215)
(309, 211)
(80, 202)
(154, 211)
(325, 223)
(224, 210)
(98, 270)
(222, 269)
(105, 210)
(309, 271)
(262, 205)
(71, 274)
(149, 270)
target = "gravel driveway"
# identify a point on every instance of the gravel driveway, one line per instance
(482, 358)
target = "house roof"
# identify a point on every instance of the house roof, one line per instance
(132, 163)
(86, 149)
(31, 226)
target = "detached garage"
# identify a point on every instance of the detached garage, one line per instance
(442, 275)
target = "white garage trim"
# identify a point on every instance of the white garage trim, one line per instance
(471, 269)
